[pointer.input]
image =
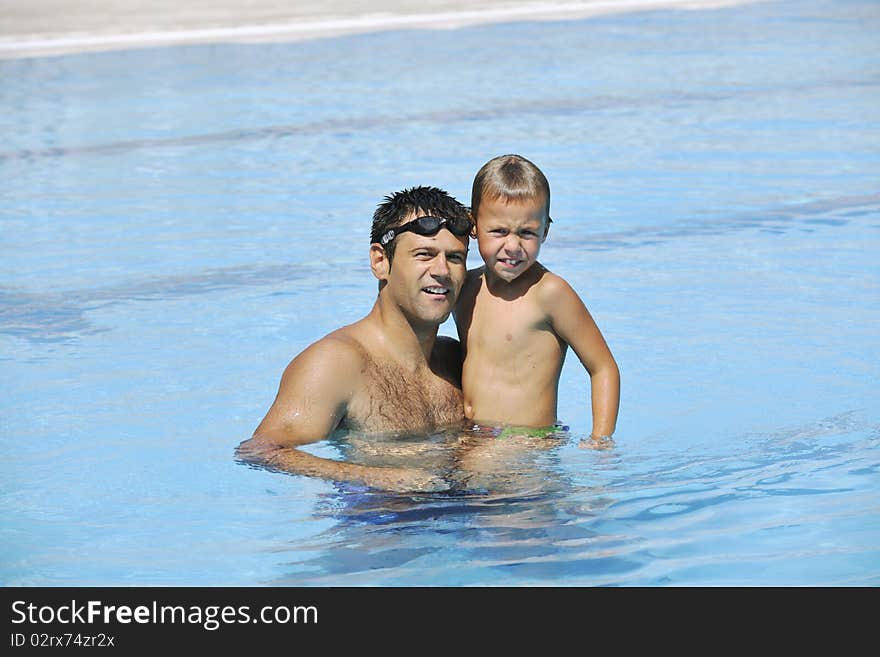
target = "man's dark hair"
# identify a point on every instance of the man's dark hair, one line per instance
(409, 204)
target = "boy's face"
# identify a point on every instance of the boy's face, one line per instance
(510, 234)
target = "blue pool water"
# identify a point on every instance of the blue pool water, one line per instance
(176, 224)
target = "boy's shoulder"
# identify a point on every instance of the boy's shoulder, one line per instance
(544, 287)
(553, 289)
(550, 281)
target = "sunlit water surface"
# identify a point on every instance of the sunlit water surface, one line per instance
(176, 224)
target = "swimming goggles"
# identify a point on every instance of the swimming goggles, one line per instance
(428, 225)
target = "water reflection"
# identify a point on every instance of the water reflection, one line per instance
(526, 513)
(512, 513)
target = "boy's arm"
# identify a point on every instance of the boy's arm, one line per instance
(573, 323)
(312, 400)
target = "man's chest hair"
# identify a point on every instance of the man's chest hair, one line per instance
(393, 399)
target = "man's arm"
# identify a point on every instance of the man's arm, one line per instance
(573, 323)
(312, 399)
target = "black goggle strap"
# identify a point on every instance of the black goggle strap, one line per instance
(418, 226)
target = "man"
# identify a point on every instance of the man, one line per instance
(389, 371)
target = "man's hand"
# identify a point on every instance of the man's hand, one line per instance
(287, 459)
(405, 480)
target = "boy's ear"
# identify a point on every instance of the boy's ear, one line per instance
(546, 229)
(379, 263)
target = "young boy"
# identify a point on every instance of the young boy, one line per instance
(516, 319)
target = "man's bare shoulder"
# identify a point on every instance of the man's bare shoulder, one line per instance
(445, 345)
(315, 390)
(472, 281)
(446, 359)
(475, 274)
(469, 289)
(339, 353)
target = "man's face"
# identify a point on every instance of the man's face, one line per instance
(427, 274)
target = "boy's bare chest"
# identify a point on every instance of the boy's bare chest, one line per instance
(392, 399)
(503, 326)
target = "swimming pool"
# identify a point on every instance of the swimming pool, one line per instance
(177, 223)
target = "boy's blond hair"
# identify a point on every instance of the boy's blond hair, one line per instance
(512, 178)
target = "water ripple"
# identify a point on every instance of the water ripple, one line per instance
(780, 218)
(60, 316)
(694, 519)
(544, 106)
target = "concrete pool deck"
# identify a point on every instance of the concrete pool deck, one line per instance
(42, 28)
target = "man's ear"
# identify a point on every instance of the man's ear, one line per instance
(379, 262)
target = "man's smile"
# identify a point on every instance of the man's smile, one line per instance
(436, 291)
